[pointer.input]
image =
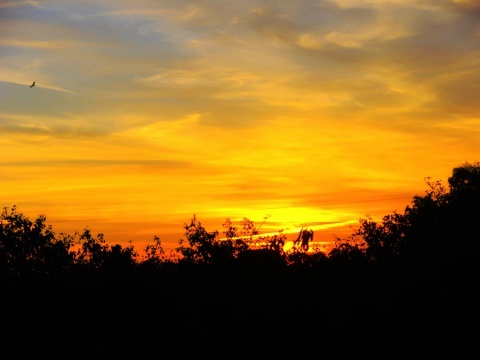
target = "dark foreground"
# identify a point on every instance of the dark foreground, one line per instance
(400, 313)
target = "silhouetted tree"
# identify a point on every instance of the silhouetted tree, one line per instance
(464, 208)
(121, 258)
(413, 233)
(156, 258)
(249, 230)
(465, 180)
(300, 259)
(254, 254)
(275, 243)
(31, 246)
(384, 240)
(238, 241)
(348, 252)
(154, 253)
(94, 253)
(202, 245)
(429, 226)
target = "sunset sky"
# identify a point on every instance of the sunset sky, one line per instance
(306, 113)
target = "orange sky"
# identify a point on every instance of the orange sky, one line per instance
(315, 113)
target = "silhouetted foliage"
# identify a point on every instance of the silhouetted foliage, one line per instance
(346, 252)
(246, 234)
(204, 247)
(465, 181)
(275, 243)
(257, 254)
(96, 254)
(31, 247)
(463, 215)
(429, 228)
(306, 261)
(155, 253)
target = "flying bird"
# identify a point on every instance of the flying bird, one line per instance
(32, 84)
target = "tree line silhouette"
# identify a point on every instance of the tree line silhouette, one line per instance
(402, 287)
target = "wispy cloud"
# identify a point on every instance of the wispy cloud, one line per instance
(97, 162)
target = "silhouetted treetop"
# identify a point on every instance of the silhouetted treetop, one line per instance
(31, 246)
(465, 179)
(440, 225)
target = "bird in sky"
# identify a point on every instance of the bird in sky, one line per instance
(32, 84)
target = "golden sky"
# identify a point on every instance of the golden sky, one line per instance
(307, 113)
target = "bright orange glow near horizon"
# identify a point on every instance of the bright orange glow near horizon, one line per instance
(313, 113)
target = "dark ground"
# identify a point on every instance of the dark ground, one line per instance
(356, 314)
